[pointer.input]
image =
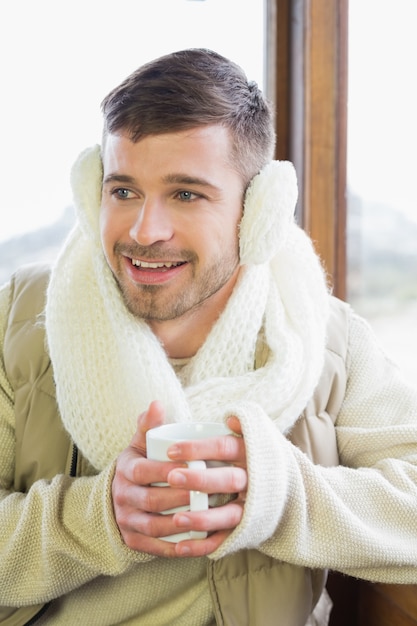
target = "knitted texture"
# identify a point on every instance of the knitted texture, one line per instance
(269, 209)
(109, 366)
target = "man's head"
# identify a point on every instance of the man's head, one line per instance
(183, 137)
(189, 89)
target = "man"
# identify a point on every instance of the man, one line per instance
(187, 292)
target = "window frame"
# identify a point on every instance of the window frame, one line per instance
(306, 52)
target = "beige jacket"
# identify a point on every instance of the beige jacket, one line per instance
(246, 588)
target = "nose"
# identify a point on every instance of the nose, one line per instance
(152, 224)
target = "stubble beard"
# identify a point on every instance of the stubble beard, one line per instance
(159, 303)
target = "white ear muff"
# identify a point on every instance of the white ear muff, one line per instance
(268, 212)
(86, 183)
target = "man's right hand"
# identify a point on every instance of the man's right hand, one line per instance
(137, 505)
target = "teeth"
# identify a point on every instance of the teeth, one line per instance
(146, 264)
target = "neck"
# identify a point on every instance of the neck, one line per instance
(181, 338)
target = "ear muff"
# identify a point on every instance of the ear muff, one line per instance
(268, 212)
(86, 183)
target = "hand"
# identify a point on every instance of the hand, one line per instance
(220, 521)
(137, 505)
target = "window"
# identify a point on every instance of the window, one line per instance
(58, 60)
(382, 194)
(319, 53)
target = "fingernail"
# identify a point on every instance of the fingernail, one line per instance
(173, 451)
(182, 550)
(182, 520)
(176, 478)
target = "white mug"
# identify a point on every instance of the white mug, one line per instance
(159, 439)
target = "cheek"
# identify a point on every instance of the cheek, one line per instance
(230, 229)
(222, 241)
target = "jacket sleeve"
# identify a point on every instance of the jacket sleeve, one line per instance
(359, 517)
(60, 534)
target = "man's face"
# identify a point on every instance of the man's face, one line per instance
(171, 207)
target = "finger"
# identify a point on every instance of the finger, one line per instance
(138, 470)
(226, 448)
(150, 524)
(201, 547)
(142, 531)
(234, 424)
(153, 417)
(150, 545)
(226, 479)
(225, 517)
(156, 527)
(153, 499)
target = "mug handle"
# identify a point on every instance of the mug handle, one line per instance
(199, 500)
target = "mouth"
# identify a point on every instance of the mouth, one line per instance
(153, 272)
(156, 265)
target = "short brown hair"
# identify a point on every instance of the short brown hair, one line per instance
(193, 88)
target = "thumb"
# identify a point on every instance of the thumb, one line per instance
(234, 424)
(153, 417)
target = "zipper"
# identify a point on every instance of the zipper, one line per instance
(38, 615)
(74, 459)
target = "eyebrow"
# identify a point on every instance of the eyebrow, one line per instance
(169, 179)
(119, 178)
(184, 179)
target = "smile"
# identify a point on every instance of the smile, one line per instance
(153, 265)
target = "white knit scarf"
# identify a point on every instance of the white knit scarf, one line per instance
(109, 366)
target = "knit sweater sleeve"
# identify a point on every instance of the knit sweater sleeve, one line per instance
(60, 534)
(359, 517)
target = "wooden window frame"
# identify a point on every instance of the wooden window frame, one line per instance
(307, 83)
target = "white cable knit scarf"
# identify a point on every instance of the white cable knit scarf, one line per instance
(109, 366)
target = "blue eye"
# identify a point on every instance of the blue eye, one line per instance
(186, 195)
(122, 193)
